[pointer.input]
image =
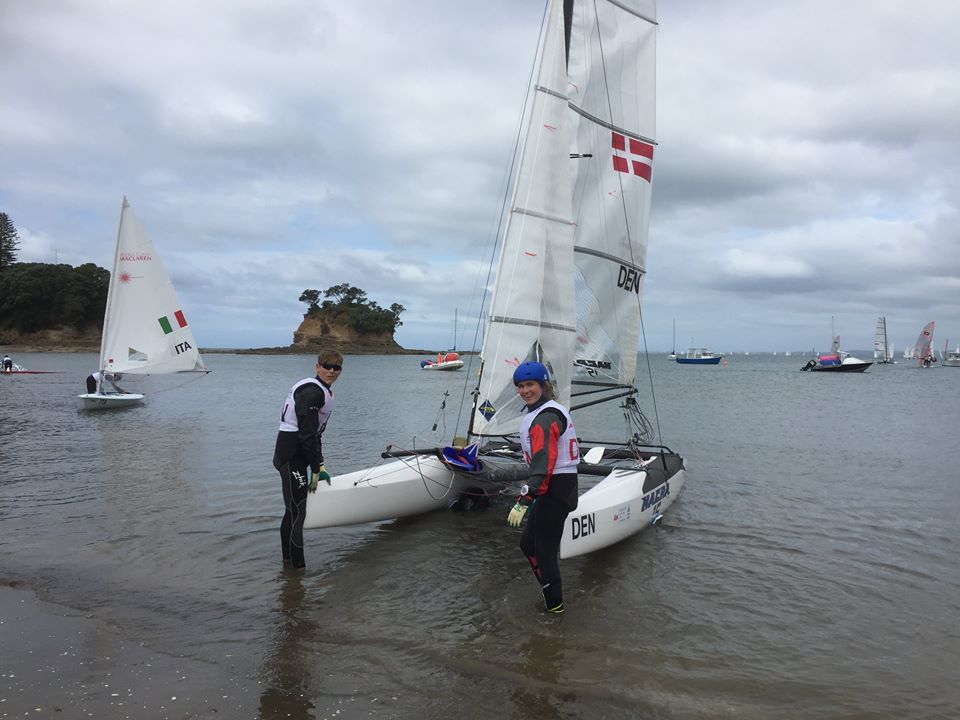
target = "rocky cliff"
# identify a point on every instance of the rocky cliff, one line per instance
(328, 330)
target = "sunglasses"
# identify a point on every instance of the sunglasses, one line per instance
(331, 366)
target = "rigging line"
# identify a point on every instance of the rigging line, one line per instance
(200, 374)
(653, 393)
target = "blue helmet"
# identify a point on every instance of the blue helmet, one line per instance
(531, 370)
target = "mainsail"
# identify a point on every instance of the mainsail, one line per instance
(921, 350)
(144, 329)
(531, 315)
(882, 352)
(572, 261)
(612, 98)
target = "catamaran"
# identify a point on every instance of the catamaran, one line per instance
(882, 347)
(145, 330)
(567, 294)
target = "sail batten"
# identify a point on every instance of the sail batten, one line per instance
(533, 323)
(542, 216)
(611, 258)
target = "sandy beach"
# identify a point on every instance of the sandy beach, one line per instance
(57, 662)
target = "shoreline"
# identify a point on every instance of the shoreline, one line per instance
(240, 351)
(58, 659)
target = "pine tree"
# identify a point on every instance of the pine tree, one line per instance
(9, 242)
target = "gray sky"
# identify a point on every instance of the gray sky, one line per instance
(807, 170)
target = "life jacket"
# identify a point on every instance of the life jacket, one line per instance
(568, 450)
(288, 416)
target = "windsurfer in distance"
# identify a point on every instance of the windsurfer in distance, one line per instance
(298, 455)
(549, 442)
(97, 379)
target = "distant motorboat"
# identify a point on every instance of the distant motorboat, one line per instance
(443, 361)
(953, 358)
(836, 361)
(699, 356)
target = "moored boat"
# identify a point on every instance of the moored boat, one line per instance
(699, 356)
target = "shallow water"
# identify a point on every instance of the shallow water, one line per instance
(807, 570)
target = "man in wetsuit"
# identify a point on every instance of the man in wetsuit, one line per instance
(300, 448)
(549, 442)
(98, 379)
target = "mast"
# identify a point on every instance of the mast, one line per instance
(108, 312)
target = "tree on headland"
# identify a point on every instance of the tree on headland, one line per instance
(9, 242)
(42, 296)
(364, 316)
(311, 298)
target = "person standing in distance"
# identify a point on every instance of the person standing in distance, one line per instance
(300, 448)
(549, 442)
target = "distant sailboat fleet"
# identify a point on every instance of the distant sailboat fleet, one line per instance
(838, 360)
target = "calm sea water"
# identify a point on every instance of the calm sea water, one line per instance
(809, 569)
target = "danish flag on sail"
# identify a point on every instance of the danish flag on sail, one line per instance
(640, 160)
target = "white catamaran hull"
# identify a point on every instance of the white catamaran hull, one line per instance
(94, 401)
(400, 488)
(609, 512)
(614, 509)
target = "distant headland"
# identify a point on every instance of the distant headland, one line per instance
(345, 320)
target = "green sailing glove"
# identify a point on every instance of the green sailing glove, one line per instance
(323, 475)
(312, 479)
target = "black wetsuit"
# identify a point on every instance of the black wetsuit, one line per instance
(555, 496)
(294, 453)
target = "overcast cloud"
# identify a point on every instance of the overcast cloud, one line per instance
(807, 167)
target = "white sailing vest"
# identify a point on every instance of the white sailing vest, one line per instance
(568, 450)
(288, 416)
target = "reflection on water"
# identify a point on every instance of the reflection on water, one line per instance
(807, 569)
(286, 670)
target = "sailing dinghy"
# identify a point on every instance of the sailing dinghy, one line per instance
(145, 331)
(567, 293)
(922, 351)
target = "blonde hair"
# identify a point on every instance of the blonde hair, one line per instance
(549, 391)
(328, 356)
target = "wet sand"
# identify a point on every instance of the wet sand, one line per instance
(57, 662)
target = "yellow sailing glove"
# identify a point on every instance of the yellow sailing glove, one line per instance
(516, 514)
(519, 509)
